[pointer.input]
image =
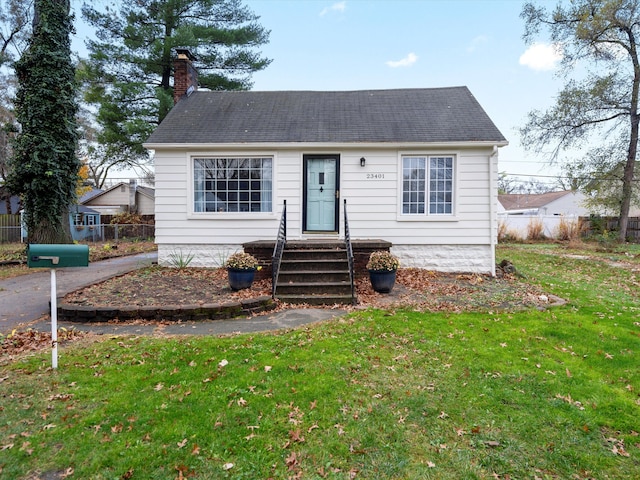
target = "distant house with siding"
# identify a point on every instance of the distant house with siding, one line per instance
(122, 197)
(565, 202)
(417, 168)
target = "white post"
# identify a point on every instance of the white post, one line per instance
(54, 320)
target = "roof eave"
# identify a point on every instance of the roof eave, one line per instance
(349, 145)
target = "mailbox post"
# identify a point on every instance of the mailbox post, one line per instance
(56, 256)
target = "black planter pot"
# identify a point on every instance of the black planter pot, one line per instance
(382, 281)
(239, 279)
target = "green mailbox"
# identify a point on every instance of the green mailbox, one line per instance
(57, 255)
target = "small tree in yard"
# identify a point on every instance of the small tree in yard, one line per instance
(44, 166)
(602, 37)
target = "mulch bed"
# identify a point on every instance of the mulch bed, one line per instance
(415, 288)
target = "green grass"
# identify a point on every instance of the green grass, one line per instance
(393, 395)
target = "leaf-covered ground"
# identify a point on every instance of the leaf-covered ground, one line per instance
(421, 289)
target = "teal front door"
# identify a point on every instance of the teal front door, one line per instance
(321, 193)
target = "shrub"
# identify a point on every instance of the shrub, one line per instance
(127, 219)
(242, 261)
(180, 260)
(569, 229)
(535, 229)
(506, 234)
(383, 260)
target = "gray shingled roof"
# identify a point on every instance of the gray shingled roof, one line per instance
(406, 115)
(519, 201)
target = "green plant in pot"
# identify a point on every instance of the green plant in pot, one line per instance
(382, 266)
(241, 268)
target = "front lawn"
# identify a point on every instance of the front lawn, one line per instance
(378, 394)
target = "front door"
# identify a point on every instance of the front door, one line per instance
(321, 193)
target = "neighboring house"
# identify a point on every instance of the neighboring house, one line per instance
(417, 167)
(122, 197)
(85, 223)
(567, 203)
(10, 220)
(9, 204)
(552, 212)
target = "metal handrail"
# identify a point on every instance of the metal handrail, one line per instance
(278, 249)
(347, 241)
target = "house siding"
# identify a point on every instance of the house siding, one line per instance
(117, 196)
(145, 205)
(463, 242)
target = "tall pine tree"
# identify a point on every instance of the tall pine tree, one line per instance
(129, 71)
(44, 163)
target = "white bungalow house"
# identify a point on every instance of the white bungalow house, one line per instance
(417, 168)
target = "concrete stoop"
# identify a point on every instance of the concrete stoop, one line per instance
(314, 274)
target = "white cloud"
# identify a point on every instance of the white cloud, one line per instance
(405, 62)
(477, 43)
(336, 7)
(541, 56)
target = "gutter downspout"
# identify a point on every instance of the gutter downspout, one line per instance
(493, 198)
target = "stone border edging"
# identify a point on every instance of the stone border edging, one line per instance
(175, 313)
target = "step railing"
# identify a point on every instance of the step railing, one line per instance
(278, 250)
(349, 248)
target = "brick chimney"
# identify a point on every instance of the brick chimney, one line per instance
(185, 76)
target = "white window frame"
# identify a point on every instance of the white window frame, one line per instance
(193, 214)
(427, 216)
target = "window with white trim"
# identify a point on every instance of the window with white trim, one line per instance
(427, 185)
(233, 184)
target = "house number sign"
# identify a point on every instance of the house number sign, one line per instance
(375, 176)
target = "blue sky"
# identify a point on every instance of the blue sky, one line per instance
(379, 44)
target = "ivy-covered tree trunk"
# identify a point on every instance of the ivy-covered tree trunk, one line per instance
(44, 164)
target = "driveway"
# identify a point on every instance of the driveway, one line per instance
(26, 298)
(24, 301)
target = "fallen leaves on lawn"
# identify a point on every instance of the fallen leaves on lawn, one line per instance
(21, 342)
(421, 290)
(567, 398)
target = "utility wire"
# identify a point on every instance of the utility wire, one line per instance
(611, 179)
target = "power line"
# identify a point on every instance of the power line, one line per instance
(558, 177)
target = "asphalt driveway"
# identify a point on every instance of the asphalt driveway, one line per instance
(25, 298)
(24, 302)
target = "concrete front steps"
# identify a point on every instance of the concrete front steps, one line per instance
(315, 273)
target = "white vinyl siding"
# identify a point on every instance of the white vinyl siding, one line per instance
(459, 241)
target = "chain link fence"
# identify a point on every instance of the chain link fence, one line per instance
(88, 233)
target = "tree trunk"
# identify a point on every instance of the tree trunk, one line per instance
(45, 232)
(627, 179)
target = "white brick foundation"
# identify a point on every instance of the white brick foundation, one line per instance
(203, 255)
(446, 258)
(442, 258)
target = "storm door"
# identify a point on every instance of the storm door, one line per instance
(321, 193)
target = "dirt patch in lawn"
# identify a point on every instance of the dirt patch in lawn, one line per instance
(415, 288)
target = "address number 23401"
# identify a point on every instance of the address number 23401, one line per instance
(375, 176)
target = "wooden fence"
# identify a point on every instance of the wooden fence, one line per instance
(9, 228)
(595, 225)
